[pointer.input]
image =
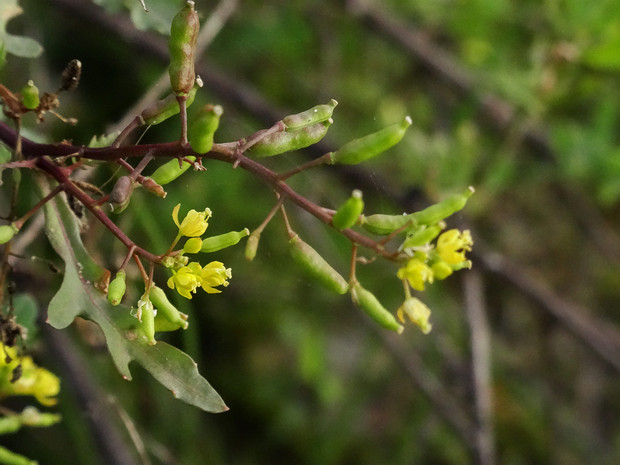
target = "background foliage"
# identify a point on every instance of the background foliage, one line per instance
(517, 98)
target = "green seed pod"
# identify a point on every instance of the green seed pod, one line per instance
(116, 289)
(443, 209)
(168, 316)
(281, 142)
(348, 214)
(383, 225)
(30, 96)
(367, 302)
(203, 128)
(163, 109)
(421, 236)
(251, 245)
(215, 243)
(316, 266)
(7, 231)
(121, 194)
(182, 46)
(314, 115)
(171, 170)
(364, 148)
(147, 320)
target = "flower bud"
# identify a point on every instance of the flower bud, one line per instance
(7, 231)
(116, 289)
(316, 266)
(168, 317)
(182, 46)
(171, 170)
(251, 245)
(314, 115)
(367, 302)
(30, 96)
(348, 214)
(146, 316)
(443, 209)
(367, 147)
(203, 128)
(215, 243)
(281, 142)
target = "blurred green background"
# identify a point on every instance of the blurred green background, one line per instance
(516, 98)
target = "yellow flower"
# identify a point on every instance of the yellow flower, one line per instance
(34, 381)
(186, 279)
(189, 278)
(416, 272)
(417, 312)
(452, 245)
(214, 274)
(194, 224)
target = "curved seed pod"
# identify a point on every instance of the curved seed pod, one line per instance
(171, 170)
(251, 245)
(443, 209)
(281, 142)
(163, 109)
(314, 115)
(383, 225)
(121, 194)
(7, 231)
(146, 318)
(316, 266)
(30, 95)
(203, 128)
(367, 302)
(421, 236)
(215, 243)
(70, 77)
(182, 46)
(370, 146)
(168, 316)
(116, 289)
(348, 214)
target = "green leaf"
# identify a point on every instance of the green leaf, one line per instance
(78, 295)
(13, 44)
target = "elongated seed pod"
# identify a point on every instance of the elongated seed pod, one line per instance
(281, 142)
(182, 46)
(166, 311)
(30, 96)
(251, 245)
(421, 235)
(367, 147)
(348, 214)
(215, 243)
(171, 170)
(383, 225)
(316, 266)
(443, 209)
(121, 194)
(116, 289)
(167, 107)
(314, 115)
(203, 128)
(367, 302)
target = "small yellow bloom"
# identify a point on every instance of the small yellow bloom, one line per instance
(417, 312)
(194, 224)
(452, 245)
(416, 272)
(214, 274)
(34, 381)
